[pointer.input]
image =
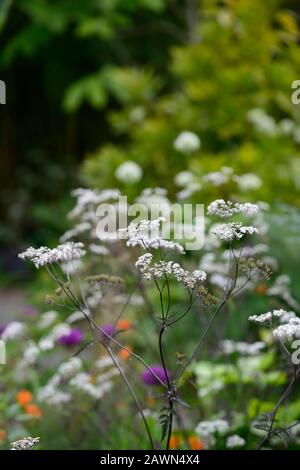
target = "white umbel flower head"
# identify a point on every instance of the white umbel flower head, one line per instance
(25, 444)
(42, 256)
(187, 142)
(129, 172)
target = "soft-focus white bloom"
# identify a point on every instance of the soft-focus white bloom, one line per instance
(249, 349)
(262, 122)
(87, 201)
(187, 142)
(25, 444)
(134, 300)
(47, 319)
(46, 344)
(98, 249)
(137, 114)
(50, 395)
(129, 172)
(286, 126)
(62, 329)
(184, 178)
(218, 178)
(231, 231)
(41, 256)
(75, 316)
(75, 231)
(103, 362)
(188, 192)
(69, 368)
(282, 289)
(31, 353)
(207, 428)
(72, 267)
(82, 382)
(248, 181)
(235, 441)
(150, 196)
(224, 209)
(14, 330)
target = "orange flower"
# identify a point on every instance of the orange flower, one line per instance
(124, 354)
(124, 324)
(24, 397)
(261, 289)
(33, 410)
(2, 435)
(195, 443)
(175, 441)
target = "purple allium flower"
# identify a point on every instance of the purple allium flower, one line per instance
(74, 337)
(2, 328)
(108, 329)
(150, 379)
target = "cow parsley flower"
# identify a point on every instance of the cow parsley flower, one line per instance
(224, 209)
(42, 256)
(129, 172)
(146, 234)
(169, 268)
(187, 142)
(233, 230)
(267, 317)
(25, 444)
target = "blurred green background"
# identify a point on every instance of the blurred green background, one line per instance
(93, 84)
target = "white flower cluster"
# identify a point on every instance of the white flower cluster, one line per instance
(25, 444)
(62, 253)
(207, 428)
(248, 349)
(82, 382)
(289, 328)
(224, 209)
(14, 330)
(88, 199)
(168, 268)
(129, 172)
(187, 142)
(266, 317)
(235, 441)
(146, 234)
(232, 231)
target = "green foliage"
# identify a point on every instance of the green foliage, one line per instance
(237, 65)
